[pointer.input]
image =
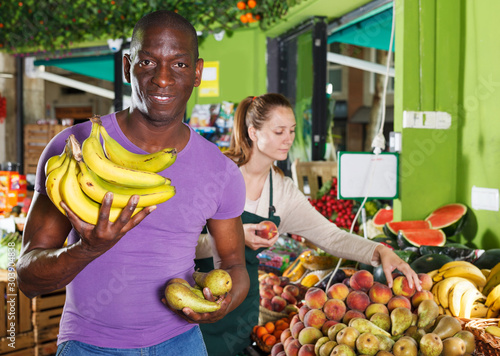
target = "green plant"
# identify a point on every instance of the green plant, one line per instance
(49, 25)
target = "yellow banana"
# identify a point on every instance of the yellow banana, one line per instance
(455, 298)
(152, 162)
(485, 272)
(494, 309)
(433, 273)
(479, 310)
(75, 198)
(493, 271)
(492, 296)
(471, 273)
(53, 182)
(94, 157)
(467, 302)
(55, 161)
(446, 286)
(492, 282)
(96, 188)
(455, 264)
(493, 330)
(435, 292)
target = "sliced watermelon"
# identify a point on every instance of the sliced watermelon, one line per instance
(391, 229)
(450, 218)
(382, 217)
(419, 237)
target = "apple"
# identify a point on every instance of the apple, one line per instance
(267, 230)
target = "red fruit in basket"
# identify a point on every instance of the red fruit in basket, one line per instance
(267, 230)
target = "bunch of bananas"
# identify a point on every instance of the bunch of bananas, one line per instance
(82, 175)
(492, 291)
(457, 290)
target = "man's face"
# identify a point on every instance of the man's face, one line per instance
(162, 71)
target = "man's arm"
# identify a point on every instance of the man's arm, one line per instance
(45, 264)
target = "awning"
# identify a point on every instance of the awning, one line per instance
(372, 29)
(101, 67)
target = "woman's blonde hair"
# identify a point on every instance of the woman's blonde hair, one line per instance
(252, 111)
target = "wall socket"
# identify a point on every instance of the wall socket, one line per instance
(439, 120)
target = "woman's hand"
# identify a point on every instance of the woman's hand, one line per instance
(254, 241)
(390, 261)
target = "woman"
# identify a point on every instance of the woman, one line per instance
(263, 132)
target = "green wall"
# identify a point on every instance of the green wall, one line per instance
(242, 66)
(447, 62)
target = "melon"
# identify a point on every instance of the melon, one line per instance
(419, 237)
(427, 263)
(391, 229)
(450, 218)
(382, 217)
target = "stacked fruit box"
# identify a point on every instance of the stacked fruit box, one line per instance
(36, 137)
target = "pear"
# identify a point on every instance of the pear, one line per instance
(334, 330)
(401, 319)
(320, 342)
(447, 327)
(367, 344)
(385, 342)
(217, 280)
(326, 348)
(365, 326)
(342, 350)
(469, 339)
(348, 336)
(427, 312)
(431, 345)
(382, 320)
(384, 353)
(453, 346)
(415, 332)
(405, 346)
(180, 296)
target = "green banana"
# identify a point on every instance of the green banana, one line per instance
(152, 162)
(96, 188)
(94, 157)
(53, 182)
(55, 161)
(75, 198)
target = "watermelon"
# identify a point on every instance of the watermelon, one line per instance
(488, 259)
(450, 218)
(382, 217)
(427, 263)
(457, 253)
(419, 237)
(387, 241)
(391, 229)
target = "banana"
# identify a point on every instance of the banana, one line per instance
(493, 271)
(455, 264)
(485, 272)
(435, 292)
(494, 309)
(455, 298)
(76, 199)
(479, 310)
(493, 330)
(53, 182)
(433, 273)
(492, 296)
(471, 273)
(96, 188)
(492, 282)
(446, 286)
(94, 157)
(468, 300)
(152, 162)
(55, 161)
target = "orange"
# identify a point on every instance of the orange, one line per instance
(254, 330)
(243, 18)
(249, 16)
(269, 327)
(261, 331)
(252, 3)
(241, 5)
(277, 333)
(269, 339)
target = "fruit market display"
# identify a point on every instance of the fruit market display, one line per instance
(180, 294)
(81, 176)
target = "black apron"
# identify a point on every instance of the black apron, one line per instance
(231, 335)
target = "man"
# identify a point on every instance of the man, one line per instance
(115, 273)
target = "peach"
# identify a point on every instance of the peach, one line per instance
(398, 301)
(277, 289)
(272, 280)
(400, 286)
(307, 350)
(350, 314)
(284, 281)
(288, 297)
(334, 309)
(361, 280)
(309, 335)
(291, 308)
(315, 298)
(314, 318)
(426, 281)
(282, 353)
(266, 291)
(302, 311)
(358, 300)
(285, 334)
(277, 348)
(382, 320)
(287, 341)
(380, 293)
(376, 308)
(418, 297)
(292, 289)
(296, 329)
(294, 319)
(266, 303)
(327, 325)
(338, 291)
(278, 303)
(292, 349)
